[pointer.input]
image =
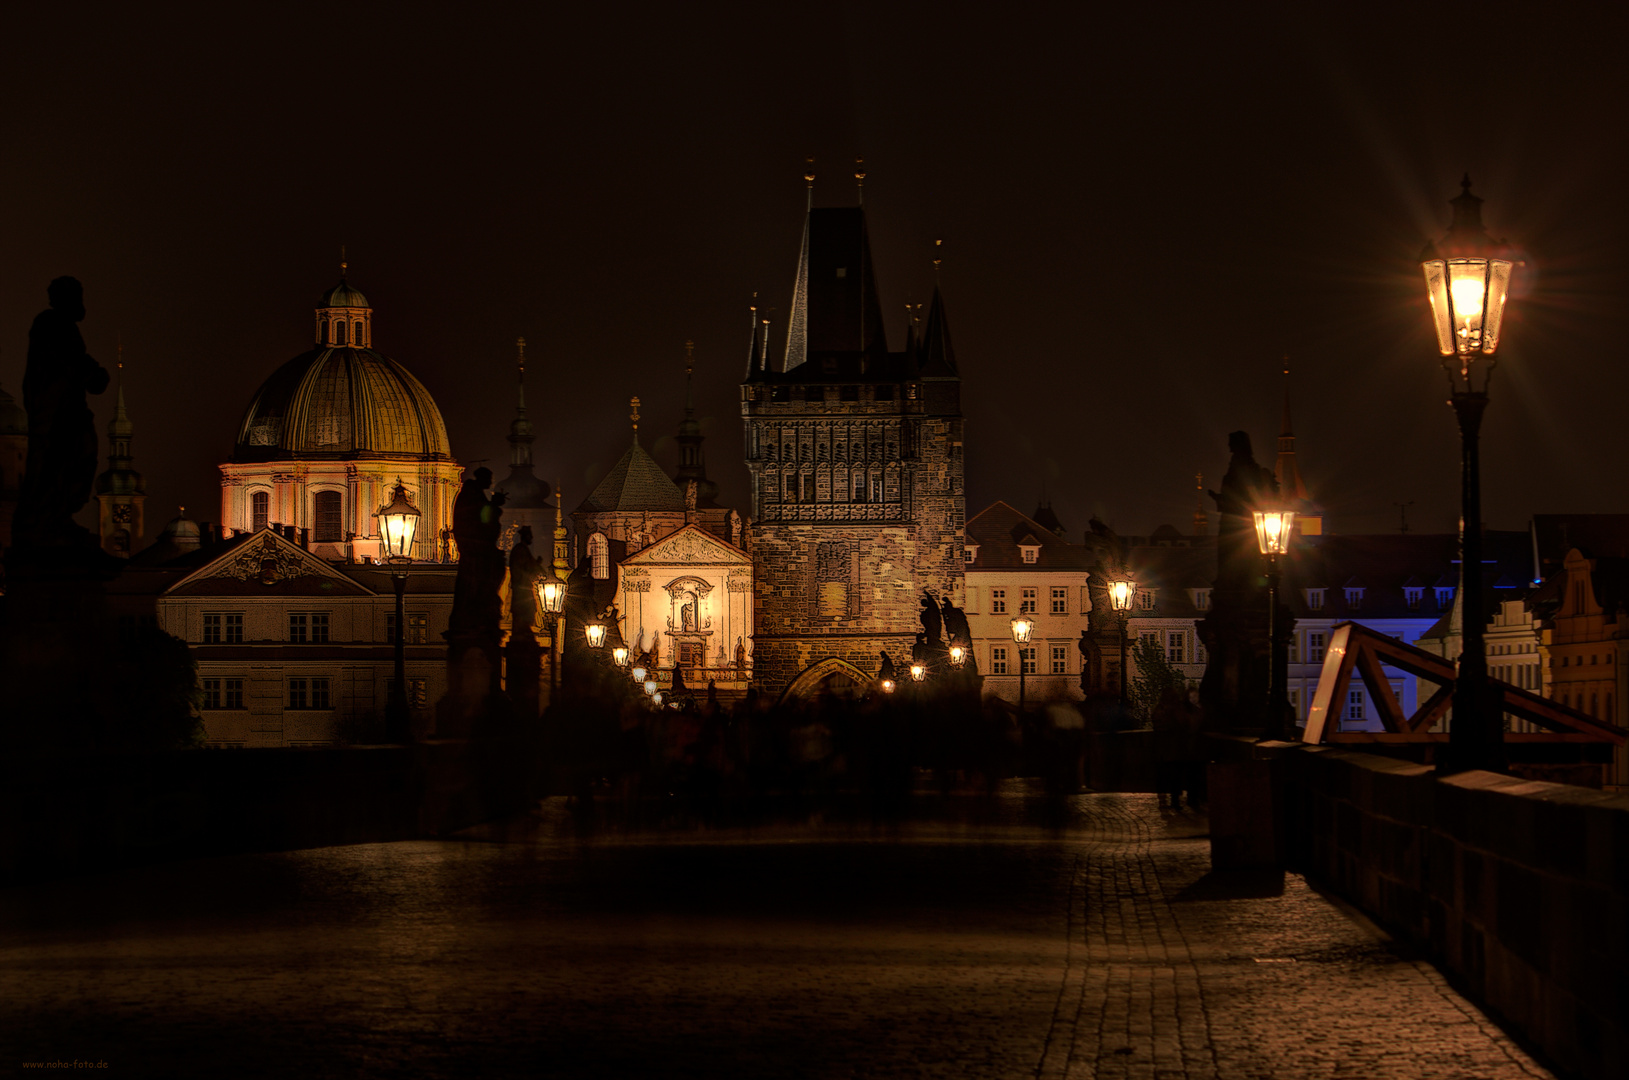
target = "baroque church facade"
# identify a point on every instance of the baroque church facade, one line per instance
(855, 456)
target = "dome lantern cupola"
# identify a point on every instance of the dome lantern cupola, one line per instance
(344, 318)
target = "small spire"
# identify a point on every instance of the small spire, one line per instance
(633, 405)
(1201, 520)
(689, 358)
(343, 264)
(689, 373)
(1287, 428)
(859, 178)
(808, 178)
(938, 259)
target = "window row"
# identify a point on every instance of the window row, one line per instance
(863, 486)
(1029, 600)
(327, 515)
(1002, 656)
(303, 692)
(817, 392)
(307, 628)
(341, 331)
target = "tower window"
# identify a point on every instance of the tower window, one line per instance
(259, 510)
(599, 556)
(339, 331)
(356, 331)
(329, 519)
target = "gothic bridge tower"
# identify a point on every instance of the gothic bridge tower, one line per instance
(855, 455)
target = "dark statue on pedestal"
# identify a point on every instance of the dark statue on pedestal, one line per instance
(955, 620)
(525, 655)
(475, 626)
(524, 570)
(1234, 631)
(62, 443)
(932, 621)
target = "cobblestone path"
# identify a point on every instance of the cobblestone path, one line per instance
(1040, 941)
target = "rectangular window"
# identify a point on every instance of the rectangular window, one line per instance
(1030, 554)
(1445, 598)
(319, 627)
(298, 631)
(998, 601)
(234, 627)
(1029, 602)
(319, 694)
(259, 510)
(1060, 659)
(212, 693)
(1201, 599)
(1354, 705)
(1027, 657)
(418, 693)
(212, 629)
(418, 627)
(998, 660)
(1060, 601)
(232, 694)
(1414, 597)
(297, 693)
(1315, 599)
(1354, 598)
(1315, 647)
(1295, 703)
(971, 553)
(1145, 599)
(1176, 642)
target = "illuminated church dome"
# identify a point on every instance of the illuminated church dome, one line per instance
(342, 399)
(328, 435)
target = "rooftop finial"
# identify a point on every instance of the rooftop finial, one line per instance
(808, 178)
(938, 259)
(520, 348)
(633, 405)
(859, 177)
(343, 265)
(1465, 184)
(689, 358)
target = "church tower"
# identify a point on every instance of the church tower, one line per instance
(855, 455)
(1309, 520)
(119, 491)
(526, 493)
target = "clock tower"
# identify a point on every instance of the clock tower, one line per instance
(120, 492)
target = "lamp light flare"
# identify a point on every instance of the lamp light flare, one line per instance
(650, 687)
(551, 595)
(595, 633)
(888, 686)
(638, 674)
(1121, 593)
(958, 656)
(1273, 528)
(620, 655)
(918, 672)
(1021, 627)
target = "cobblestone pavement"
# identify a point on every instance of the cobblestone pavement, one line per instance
(1078, 940)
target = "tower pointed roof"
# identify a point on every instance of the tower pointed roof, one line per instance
(836, 311)
(120, 477)
(938, 358)
(523, 487)
(635, 483)
(1285, 469)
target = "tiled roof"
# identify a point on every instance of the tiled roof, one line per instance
(999, 531)
(634, 483)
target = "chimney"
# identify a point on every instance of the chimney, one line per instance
(305, 539)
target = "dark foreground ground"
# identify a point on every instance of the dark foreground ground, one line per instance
(1021, 938)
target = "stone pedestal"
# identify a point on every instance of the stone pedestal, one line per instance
(473, 686)
(526, 676)
(57, 649)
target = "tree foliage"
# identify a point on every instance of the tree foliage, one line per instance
(1155, 676)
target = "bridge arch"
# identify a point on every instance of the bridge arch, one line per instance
(832, 674)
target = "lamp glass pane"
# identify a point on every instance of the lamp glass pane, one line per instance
(1436, 288)
(1467, 294)
(1498, 290)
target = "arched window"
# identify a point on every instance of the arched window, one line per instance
(322, 329)
(599, 556)
(259, 510)
(356, 333)
(326, 512)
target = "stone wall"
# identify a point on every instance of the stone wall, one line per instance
(1518, 889)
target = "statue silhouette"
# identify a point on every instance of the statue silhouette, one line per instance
(932, 624)
(524, 570)
(477, 608)
(955, 620)
(62, 443)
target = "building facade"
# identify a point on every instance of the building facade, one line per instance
(855, 457)
(294, 650)
(1018, 565)
(327, 436)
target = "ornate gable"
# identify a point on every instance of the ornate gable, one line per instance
(690, 546)
(267, 562)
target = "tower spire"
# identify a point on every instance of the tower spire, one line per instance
(859, 179)
(520, 429)
(1201, 520)
(344, 266)
(120, 491)
(808, 178)
(633, 415)
(1288, 473)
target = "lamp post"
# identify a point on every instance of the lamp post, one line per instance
(1022, 625)
(551, 599)
(398, 523)
(1467, 283)
(595, 633)
(1273, 529)
(1122, 591)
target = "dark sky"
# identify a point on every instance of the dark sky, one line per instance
(1143, 206)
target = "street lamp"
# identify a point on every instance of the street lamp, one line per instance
(620, 655)
(1274, 526)
(918, 672)
(1467, 283)
(1021, 627)
(958, 656)
(1122, 591)
(398, 524)
(551, 599)
(888, 686)
(638, 674)
(595, 633)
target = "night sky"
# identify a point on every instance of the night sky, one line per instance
(1144, 208)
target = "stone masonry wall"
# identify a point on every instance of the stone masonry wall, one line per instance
(1518, 888)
